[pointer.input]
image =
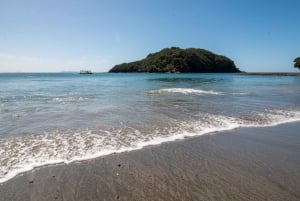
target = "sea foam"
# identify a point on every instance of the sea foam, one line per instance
(183, 91)
(21, 154)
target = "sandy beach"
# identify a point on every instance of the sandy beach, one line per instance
(149, 100)
(242, 164)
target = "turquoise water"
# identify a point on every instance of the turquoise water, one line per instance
(48, 118)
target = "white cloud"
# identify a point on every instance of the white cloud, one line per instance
(20, 63)
(13, 63)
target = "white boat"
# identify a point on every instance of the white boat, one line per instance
(85, 72)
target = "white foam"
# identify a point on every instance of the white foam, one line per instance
(183, 91)
(68, 99)
(275, 117)
(21, 154)
(240, 93)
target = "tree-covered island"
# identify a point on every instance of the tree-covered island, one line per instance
(177, 60)
(297, 62)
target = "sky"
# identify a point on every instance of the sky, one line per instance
(69, 35)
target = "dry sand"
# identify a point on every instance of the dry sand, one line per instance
(243, 164)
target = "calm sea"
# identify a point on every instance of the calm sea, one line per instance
(48, 118)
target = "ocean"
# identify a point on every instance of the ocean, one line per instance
(50, 118)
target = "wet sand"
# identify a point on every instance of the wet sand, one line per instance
(242, 164)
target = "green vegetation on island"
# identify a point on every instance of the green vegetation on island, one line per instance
(297, 62)
(177, 60)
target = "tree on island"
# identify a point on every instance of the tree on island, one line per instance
(297, 62)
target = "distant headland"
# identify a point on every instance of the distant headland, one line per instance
(177, 60)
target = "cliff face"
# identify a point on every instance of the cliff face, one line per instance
(177, 60)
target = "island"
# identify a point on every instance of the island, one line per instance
(297, 62)
(177, 60)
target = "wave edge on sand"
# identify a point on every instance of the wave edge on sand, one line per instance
(62, 145)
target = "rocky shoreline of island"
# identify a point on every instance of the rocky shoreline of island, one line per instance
(270, 73)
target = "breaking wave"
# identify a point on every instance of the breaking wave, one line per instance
(21, 154)
(68, 99)
(183, 91)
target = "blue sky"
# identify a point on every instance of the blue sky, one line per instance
(69, 35)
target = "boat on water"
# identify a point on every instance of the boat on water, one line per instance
(85, 72)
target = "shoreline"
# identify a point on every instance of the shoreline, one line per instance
(175, 166)
(138, 146)
(270, 73)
